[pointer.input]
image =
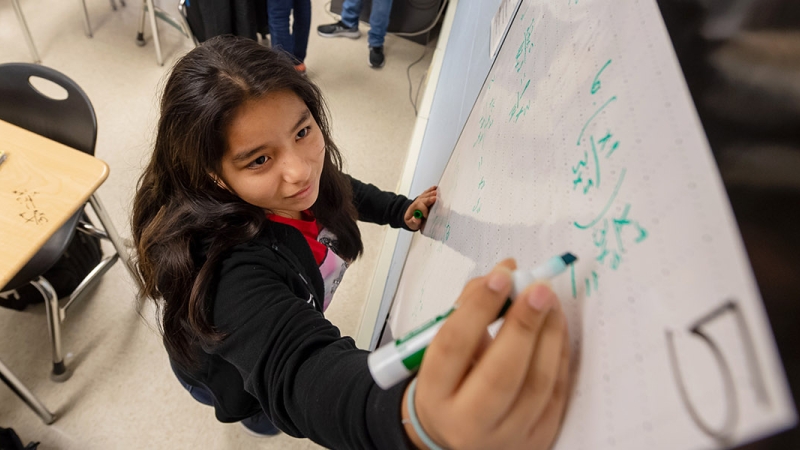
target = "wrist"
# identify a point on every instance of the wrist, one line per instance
(409, 428)
(420, 435)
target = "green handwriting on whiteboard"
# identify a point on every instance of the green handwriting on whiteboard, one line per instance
(518, 109)
(486, 120)
(611, 234)
(596, 85)
(608, 204)
(524, 48)
(582, 170)
(521, 107)
(588, 122)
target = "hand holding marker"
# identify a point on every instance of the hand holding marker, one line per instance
(398, 360)
(419, 208)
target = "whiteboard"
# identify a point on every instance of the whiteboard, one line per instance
(584, 139)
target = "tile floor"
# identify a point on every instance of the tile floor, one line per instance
(122, 394)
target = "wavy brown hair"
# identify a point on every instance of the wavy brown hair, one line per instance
(183, 222)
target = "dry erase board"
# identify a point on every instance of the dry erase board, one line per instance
(584, 139)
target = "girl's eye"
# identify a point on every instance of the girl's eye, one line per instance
(258, 162)
(304, 132)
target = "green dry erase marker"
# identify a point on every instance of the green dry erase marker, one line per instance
(418, 214)
(398, 360)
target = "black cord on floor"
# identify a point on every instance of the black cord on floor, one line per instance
(414, 99)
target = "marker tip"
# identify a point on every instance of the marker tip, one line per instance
(568, 258)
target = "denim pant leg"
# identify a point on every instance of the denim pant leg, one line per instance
(301, 28)
(200, 394)
(278, 12)
(260, 421)
(351, 9)
(379, 21)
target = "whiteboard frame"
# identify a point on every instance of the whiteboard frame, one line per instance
(377, 305)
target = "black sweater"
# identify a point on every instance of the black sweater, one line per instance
(282, 356)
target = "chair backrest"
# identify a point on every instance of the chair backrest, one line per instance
(70, 121)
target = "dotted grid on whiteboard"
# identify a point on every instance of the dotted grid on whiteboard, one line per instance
(584, 139)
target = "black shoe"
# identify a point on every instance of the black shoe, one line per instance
(338, 29)
(376, 58)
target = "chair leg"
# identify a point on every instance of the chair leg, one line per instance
(26, 31)
(151, 12)
(140, 33)
(87, 27)
(108, 225)
(54, 319)
(27, 396)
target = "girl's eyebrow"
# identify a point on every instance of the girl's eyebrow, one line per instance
(303, 117)
(241, 156)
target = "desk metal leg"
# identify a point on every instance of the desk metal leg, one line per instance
(151, 11)
(54, 318)
(27, 396)
(87, 27)
(26, 31)
(119, 245)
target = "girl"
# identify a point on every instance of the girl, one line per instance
(243, 221)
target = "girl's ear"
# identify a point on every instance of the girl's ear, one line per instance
(218, 181)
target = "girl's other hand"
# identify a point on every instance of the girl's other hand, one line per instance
(508, 394)
(422, 203)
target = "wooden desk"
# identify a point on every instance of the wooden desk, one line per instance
(42, 184)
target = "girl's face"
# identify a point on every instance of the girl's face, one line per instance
(275, 154)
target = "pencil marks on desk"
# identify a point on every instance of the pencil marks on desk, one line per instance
(28, 210)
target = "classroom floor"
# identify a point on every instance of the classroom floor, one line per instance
(122, 394)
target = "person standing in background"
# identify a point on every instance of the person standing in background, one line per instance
(348, 27)
(294, 43)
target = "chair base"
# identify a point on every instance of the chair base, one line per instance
(60, 372)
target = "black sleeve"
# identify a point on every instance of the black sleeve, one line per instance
(377, 206)
(308, 379)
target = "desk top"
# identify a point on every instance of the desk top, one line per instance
(42, 183)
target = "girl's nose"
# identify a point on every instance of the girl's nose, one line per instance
(295, 168)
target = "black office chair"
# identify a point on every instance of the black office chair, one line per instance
(72, 122)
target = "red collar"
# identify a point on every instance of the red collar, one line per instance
(307, 224)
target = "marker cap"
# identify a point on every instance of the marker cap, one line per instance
(386, 366)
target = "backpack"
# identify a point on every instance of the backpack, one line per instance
(9, 440)
(83, 253)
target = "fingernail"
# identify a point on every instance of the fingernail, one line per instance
(499, 280)
(540, 297)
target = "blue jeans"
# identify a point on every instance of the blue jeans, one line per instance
(378, 18)
(260, 421)
(296, 42)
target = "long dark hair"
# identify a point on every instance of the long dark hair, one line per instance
(178, 206)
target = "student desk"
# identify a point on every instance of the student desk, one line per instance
(42, 184)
